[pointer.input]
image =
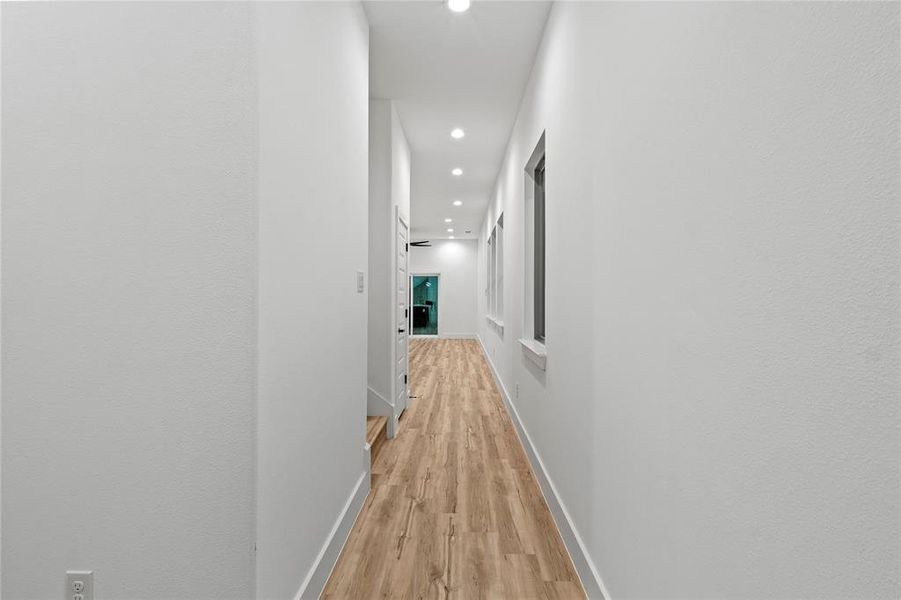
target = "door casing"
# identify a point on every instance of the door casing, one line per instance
(400, 311)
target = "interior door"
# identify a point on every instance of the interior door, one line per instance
(402, 299)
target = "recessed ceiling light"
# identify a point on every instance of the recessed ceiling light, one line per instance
(458, 203)
(458, 5)
(457, 133)
(450, 237)
(450, 230)
(457, 172)
(448, 220)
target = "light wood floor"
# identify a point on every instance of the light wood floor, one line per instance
(454, 510)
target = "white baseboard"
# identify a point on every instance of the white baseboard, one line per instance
(322, 567)
(588, 573)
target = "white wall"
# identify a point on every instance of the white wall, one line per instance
(401, 166)
(379, 297)
(720, 408)
(183, 343)
(313, 239)
(389, 189)
(455, 262)
(129, 261)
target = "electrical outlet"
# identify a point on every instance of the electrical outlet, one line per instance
(360, 282)
(79, 585)
(516, 391)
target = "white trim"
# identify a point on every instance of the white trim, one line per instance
(585, 567)
(535, 351)
(537, 154)
(378, 406)
(528, 240)
(497, 324)
(399, 219)
(322, 567)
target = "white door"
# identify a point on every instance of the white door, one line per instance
(402, 300)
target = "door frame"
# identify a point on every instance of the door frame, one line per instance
(437, 276)
(399, 219)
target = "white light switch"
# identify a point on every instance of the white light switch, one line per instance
(360, 286)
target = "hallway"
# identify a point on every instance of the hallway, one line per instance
(454, 510)
(655, 248)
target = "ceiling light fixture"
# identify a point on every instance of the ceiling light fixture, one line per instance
(457, 172)
(450, 237)
(458, 6)
(450, 230)
(458, 203)
(457, 133)
(448, 220)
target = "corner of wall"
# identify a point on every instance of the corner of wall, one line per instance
(318, 575)
(401, 166)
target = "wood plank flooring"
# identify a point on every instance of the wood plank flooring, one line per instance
(454, 511)
(376, 435)
(374, 428)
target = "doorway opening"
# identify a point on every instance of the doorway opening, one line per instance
(425, 304)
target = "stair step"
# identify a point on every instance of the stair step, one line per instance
(376, 434)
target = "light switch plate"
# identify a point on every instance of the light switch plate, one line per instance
(79, 585)
(360, 282)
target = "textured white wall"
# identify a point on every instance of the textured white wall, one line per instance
(720, 408)
(401, 166)
(379, 276)
(313, 239)
(174, 220)
(389, 187)
(455, 261)
(129, 259)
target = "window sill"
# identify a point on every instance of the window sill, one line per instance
(535, 351)
(498, 324)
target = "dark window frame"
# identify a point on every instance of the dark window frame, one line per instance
(539, 245)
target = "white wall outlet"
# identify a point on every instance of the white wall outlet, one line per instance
(79, 585)
(360, 282)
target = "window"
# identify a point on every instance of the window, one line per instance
(499, 272)
(535, 251)
(495, 255)
(492, 282)
(538, 244)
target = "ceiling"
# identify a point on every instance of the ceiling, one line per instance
(447, 70)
